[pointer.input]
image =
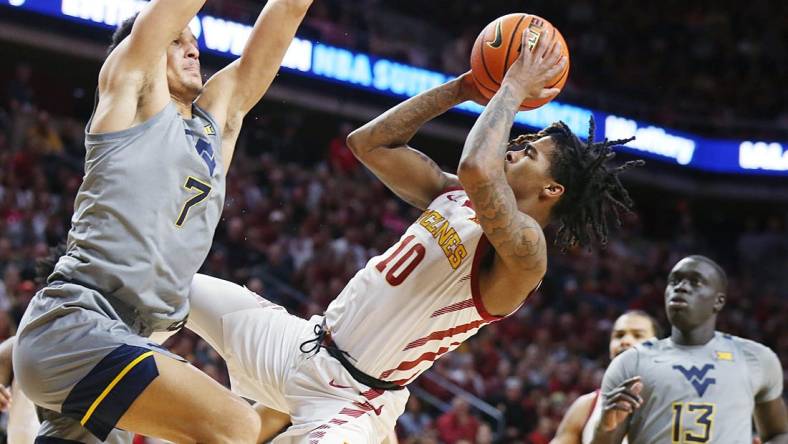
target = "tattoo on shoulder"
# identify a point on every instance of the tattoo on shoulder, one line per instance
(432, 164)
(512, 233)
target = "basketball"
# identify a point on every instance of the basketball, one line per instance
(498, 46)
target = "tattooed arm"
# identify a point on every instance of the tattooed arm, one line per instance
(382, 144)
(521, 258)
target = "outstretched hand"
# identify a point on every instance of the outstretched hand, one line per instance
(621, 402)
(538, 65)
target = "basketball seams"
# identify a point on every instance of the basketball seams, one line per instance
(511, 41)
(559, 83)
(484, 61)
(488, 57)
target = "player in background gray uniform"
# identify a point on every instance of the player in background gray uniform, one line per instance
(579, 422)
(157, 150)
(698, 385)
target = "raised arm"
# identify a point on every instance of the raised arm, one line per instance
(382, 144)
(133, 80)
(517, 238)
(232, 92)
(157, 25)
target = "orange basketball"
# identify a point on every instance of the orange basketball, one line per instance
(498, 46)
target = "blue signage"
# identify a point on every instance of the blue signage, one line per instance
(314, 59)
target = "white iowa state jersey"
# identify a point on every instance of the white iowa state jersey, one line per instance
(419, 299)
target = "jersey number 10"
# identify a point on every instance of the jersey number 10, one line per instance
(401, 269)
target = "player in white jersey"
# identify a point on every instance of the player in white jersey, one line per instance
(473, 257)
(580, 420)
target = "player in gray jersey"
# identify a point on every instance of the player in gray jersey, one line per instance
(580, 420)
(698, 385)
(157, 150)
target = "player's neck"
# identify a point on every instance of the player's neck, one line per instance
(539, 213)
(697, 336)
(184, 107)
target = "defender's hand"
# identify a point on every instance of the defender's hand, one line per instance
(534, 68)
(620, 402)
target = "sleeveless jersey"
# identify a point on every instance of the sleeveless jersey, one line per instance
(145, 215)
(697, 394)
(418, 300)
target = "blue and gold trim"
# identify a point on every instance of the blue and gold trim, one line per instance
(100, 399)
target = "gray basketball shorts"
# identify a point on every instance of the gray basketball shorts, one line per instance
(75, 356)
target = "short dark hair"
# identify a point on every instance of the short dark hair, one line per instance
(720, 271)
(121, 32)
(593, 192)
(654, 323)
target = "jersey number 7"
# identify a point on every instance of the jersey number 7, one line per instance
(203, 190)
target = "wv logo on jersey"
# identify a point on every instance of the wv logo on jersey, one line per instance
(204, 149)
(697, 377)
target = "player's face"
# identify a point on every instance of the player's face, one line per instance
(183, 66)
(528, 167)
(694, 294)
(629, 331)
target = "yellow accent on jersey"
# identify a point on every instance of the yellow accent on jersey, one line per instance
(112, 385)
(447, 237)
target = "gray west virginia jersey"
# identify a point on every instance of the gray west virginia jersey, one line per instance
(145, 215)
(697, 394)
(143, 223)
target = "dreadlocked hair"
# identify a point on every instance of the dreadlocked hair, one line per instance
(46, 265)
(594, 195)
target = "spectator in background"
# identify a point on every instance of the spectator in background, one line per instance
(414, 421)
(458, 423)
(543, 432)
(43, 137)
(340, 157)
(19, 89)
(512, 408)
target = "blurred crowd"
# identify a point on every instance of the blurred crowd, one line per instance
(713, 67)
(302, 216)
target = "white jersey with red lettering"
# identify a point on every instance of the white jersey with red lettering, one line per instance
(419, 299)
(405, 309)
